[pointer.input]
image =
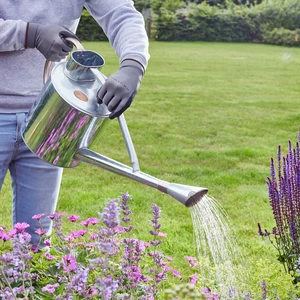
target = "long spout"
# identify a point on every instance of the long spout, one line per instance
(185, 194)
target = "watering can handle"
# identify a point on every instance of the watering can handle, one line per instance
(121, 118)
(48, 64)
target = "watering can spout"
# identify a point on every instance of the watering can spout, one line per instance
(186, 194)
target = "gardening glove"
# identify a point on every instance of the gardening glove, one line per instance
(120, 88)
(49, 40)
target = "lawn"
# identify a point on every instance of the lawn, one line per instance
(207, 114)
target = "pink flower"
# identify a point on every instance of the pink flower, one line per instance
(176, 273)
(120, 229)
(192, 261)
(190, 258)
(194, 279)
(41, 231)
(49, 256)
(13, 232)
(38, 216)
(169, 257)
(50, 288)
(77, 234)
(161, 234)
(93, 236)
(69, 238)
(90, 245)
(47, 242)
(20, 227)
(69, 263)
(34, 249)
(147, 278)
(54, 215)
(92, 221)
(73, 218)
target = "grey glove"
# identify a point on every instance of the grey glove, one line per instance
(49, 40)
(120, 88)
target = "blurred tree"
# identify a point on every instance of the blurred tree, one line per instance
(224, 2)
(142, 4)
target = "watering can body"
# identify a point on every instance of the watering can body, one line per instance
(66, 115)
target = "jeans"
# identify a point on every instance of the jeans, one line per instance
(35, 183)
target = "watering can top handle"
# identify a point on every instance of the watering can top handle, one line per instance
(121, 119)
(48, 64)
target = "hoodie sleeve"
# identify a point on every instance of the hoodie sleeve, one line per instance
(124, 26)
(12, 35)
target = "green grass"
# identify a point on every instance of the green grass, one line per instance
(207, 114)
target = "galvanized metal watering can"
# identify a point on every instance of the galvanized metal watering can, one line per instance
(66, 119)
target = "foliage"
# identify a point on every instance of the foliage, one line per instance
(284, 195)
(88, 29)
(142, 4)
(233, 23)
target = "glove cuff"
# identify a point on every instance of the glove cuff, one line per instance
(31, 30)
(129, 62)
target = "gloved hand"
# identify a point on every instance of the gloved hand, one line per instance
(120, 88)
(49, 40)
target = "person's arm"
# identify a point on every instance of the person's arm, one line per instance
(48, 39)
(12, 35)
(124, 26)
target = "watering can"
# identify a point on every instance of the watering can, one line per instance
(66, 119)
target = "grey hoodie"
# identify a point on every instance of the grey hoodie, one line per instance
(21, 70)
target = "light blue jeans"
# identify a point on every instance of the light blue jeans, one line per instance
(35, 183)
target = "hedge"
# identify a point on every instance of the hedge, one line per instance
(273, 22)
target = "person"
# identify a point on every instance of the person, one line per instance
(32, 32)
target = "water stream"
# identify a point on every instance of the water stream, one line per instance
(216, 248)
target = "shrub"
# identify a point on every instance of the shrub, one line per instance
(281, 36)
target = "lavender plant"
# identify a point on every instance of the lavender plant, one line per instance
(284, 198)
(100, 258)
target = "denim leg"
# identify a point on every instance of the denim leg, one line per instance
(35, 185)
(7, 142)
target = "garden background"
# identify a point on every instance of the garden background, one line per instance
(217, 99)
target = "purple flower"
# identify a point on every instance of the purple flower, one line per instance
(192, 261)
(21, 227)
(93, 236)
(176, 273)
(194, 279)
(161, 234)
(47, 242)
(50, 288)
(69, 263)
(41, 231)
(92, 221)
(38, 216)
(73, 218)
(111, 214)
(79, 233)
(49, 256)
(55, 215)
